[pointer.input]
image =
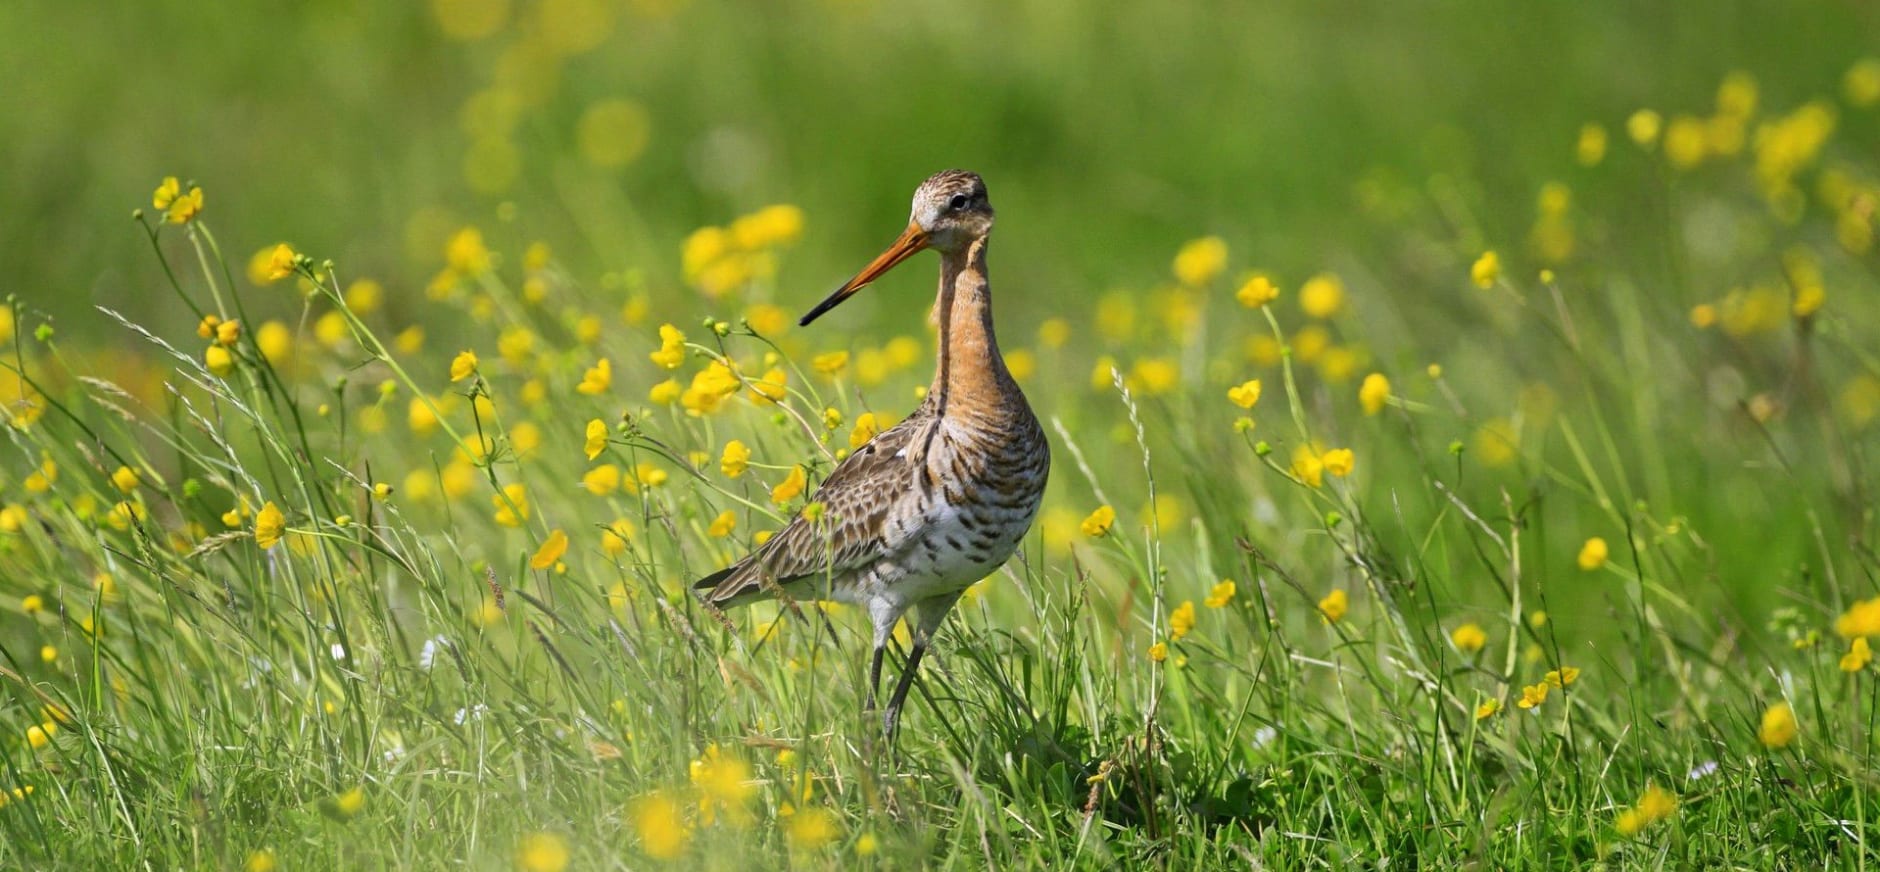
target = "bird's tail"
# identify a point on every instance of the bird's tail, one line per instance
(716, 578)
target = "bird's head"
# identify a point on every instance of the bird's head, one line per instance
(950, 211)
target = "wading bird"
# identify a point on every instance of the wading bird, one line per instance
(938, 501)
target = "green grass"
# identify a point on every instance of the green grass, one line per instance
(400, 682)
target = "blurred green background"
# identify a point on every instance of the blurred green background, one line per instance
(1109, 132)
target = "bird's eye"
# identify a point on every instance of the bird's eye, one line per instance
(957, 203)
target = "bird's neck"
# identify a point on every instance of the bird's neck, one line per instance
(971, 379)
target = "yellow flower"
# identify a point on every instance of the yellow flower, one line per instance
(602, 480)
(350, 803)
(1778, 727)
(1486, 270)
(867, 426)
(658, 823)
(1199, 261)
(219, 361)
(269, 525)
(228, 332)
(1654, 805)
(1098, 524)
(1468, 638)
(1858, 655)
(463, 366)
(1181, 620)
(665, 393)
(1322, 296)
(1591, 147)
(723, 782)
(260, 860)
(599, 377)
(671, 351)
(126, 479)
(1338, 461)
(710, 386)
(551, 551)
(596, 439)
(1158, 652)
(830, 363)
(1533, 695)
(1245, 394)
(32, 604)
(1257, 291)
(722, 525)
(1861, 619)
(185, 207)
(279, 264)
(736, 458)
(39, 735)
(1561, 677)
(1487, 709)
(1593, 554)
(771, 387)
(1221, 594)
(791, 487)
(1373, 393)
(542, 852)
(811, 828)
(1643, 126)
(1335, 605)
(1308, 467)
(512, 505)
(166, 193)
(1861, 84)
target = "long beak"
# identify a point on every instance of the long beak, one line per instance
(912, 239)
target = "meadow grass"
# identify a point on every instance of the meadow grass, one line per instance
(1324, 579)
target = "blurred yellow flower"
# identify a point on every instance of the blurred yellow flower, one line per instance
(1494, 442)
(1861, 84)
(1487, 708)
(126, 479)
(1201, 260)
(1322, 296)
(1861, 619)
(1685, 142)
(1258, 290)
(1099, 522)
(722, 525)
(1307, 466)
(613, 133)
(40, 735)
(671, 351)
(771, 226)
(791, 487)
(166, 193)
(1338, 461)
(1561, 677)
(1592, 554)
(1335, 605)
(551, 551)
(1154, 376)
(602, 480)
(269, 525)
(1486, 270)
(1221, 594)
(665, 393)
(1643, 126)
(259, 860)
(1245, 394)
(1158, 652)
(1654, 805)
(463, 366)
(598, 378)
(811, 828)
(512, 505)
(659, 824)
(772, 387)
(465, 253)
(1858, 655)
(218, 360)
(735, 460)
(275, 341)
(1533, 695)
(867, 427)
(710, 386)
(1374, 393)
(1468, 638)
(1590, 149)
(1778, 727)
(1181, 620)
(542, 852)
(830, 363)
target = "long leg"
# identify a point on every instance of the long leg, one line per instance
(891, 719)
(874, 675)
(926, 619)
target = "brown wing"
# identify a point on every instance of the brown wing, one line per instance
(856, 498)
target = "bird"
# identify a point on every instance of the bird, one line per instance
(937, 502)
